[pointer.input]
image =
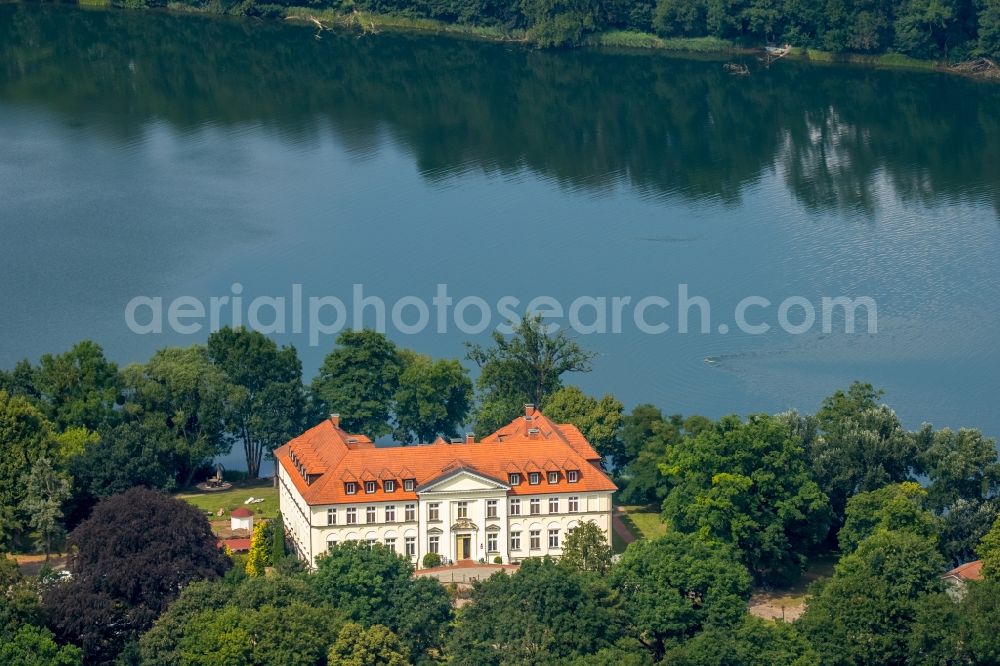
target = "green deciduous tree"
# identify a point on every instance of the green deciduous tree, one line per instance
(861, 446)
(359, 379)
(541, 614)
(560, 22)
(587, 549)
(642, 479)
(47, 489)
(960, 465)
(600, 421)
(752, 642)
(748, 484)
(894, 507)
(678, 585)
(989, 551)
(35, 646)
(433, 398)
(374, 646)
(80, 387)
(963, 526)
(270, 407)
(374, 585)
(266, 620)
(296, 634)
(25, 437)
(865, 612)
(527, 367)
(190, 397)
(133, 453)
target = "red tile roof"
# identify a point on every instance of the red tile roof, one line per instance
(968, 571)
(237, 544)
(241, 512)
(321, 460)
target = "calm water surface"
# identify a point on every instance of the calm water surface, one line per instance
(163, 155)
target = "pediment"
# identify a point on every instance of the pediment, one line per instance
(462, 479)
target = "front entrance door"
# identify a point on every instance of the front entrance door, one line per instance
(463, 546)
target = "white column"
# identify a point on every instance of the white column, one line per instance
(503, 536)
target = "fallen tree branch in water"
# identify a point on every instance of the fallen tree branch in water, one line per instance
(979, 67)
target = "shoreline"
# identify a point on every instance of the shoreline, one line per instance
(610, 41)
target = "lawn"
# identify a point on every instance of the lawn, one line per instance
(643, 521)
(228, 500)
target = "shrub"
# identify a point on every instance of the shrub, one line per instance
(497, 560)
(431, 560)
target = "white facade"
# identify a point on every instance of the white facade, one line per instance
(461, 516)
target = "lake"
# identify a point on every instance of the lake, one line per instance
(147, 154)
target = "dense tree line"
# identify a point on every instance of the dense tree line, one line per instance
(604, 124)
(747, 501)
(167, 596)
(917, 28)
(76, 428)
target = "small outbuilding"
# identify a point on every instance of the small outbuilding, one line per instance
(956, 579)
(241, 519)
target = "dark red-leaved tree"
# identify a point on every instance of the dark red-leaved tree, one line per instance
(128, 561)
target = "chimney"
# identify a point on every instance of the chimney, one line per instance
(470, 438)
(335, 420)
(529, 409)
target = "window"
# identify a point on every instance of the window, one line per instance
(390, 513)
(331, 544)
(491, 543)
(491, 508)
(572, 476)
(351, 488)
(515, 507)
(411, 513)
(371, 543)
(553, 538)
(331, 516)
(462, 509)
(434, 544)
(410, 546)
(574, 504)
(535, 539)
(433, 511)
(553, 477)
(409, 484)
(370, 514)
(389, 486)
(553, 505)
(390, 543)
(534, 478)
(352, 516)
(536, 507)
(515, 541)
(514, 479)
(369, 487)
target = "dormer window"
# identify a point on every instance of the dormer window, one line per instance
(351, 488)
(553, 477)
(572, 476)
(534, 478)
(514, 478)
(389, 486)
(370, 487)
(409, 485)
